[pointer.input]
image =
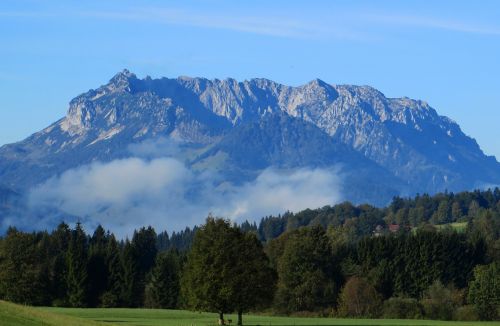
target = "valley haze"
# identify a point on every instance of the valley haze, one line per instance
(167, 152)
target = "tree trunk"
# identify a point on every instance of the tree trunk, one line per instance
(240, 318)
(221, 318)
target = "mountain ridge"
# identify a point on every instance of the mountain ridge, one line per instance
(398, 146)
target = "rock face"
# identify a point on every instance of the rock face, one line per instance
(383, 146)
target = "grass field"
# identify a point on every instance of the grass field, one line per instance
(457, 226)
(16, 315)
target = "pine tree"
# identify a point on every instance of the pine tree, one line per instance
(162, 291)
(114, 286)
(138, 260)
(129, 286)
(58, 268)
(23, 276)
(97, 269)
(76, 261)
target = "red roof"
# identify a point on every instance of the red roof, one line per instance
(394, 227)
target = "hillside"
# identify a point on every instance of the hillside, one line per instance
(17, 315)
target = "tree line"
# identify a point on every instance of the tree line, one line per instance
(324, 262)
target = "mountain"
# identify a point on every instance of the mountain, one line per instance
(380, 146)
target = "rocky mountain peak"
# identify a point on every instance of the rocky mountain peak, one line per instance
(406, 138)
(122, 81)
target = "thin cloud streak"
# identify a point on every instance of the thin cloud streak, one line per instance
(342, 26)
(345, 25)
(274, 26)
(433, 23)
(270, 26)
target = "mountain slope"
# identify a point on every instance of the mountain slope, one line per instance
(380, 146)
(284, 142)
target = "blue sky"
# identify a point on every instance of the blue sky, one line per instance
(444, 52)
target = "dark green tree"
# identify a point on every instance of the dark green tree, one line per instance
(306, 272)
(255, 281)
(23, 273)
(129, 287)
(97, 269)
(76, 260)
(138, 260)
(207, 281)
(58, 271)
(162, 291)
(114, 286)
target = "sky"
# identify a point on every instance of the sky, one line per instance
(444, 52)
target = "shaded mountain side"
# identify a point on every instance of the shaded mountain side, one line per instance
(285, 142)
(381, 146)
(8, 197)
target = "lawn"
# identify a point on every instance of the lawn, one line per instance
(180, 317)
(457, 226)
(17, 315)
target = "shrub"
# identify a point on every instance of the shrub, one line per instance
(466, 313)
(359, 299)
(402, 308)
(109, 300)
(440, 302)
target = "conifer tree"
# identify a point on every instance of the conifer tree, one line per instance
(60, 239)
(162, 291)
(97, 269)
(114, 286)
(23, 278)
(76, 261)
(129, 286)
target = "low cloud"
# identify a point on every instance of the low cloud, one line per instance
(275, 191)
(129, 193)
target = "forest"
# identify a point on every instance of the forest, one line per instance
(405, 260)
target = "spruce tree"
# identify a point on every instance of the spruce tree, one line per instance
(162, 291)
(76, 261)
(23, 276)
(114, 286)
(138, 260)
(97, 270)
(129, 286)
(60, 239)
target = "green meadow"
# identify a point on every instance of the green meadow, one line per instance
(457, 226)
(18, 315)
